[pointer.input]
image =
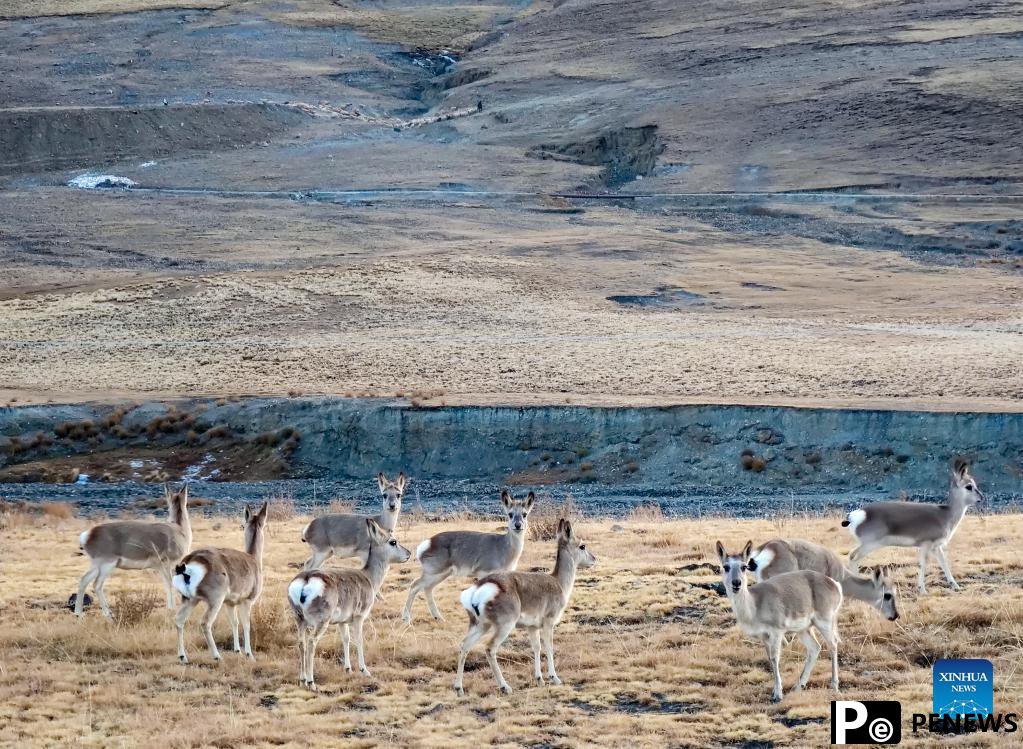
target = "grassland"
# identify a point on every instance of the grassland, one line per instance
(648, 650)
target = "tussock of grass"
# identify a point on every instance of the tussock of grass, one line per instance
(649, 654)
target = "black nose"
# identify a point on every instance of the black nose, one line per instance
(736, 585)
(518, 526)
(893, 617)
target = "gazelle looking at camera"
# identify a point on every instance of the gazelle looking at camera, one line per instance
(796, 602)
(345, 597)
(470, 553)
(788, 555)
(136, 545)
(346, 535)
(927, 527)
(219, 577)
(535, 601)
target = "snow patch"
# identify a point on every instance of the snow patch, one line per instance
(92, 181)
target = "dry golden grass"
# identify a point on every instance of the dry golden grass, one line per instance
(650, 657)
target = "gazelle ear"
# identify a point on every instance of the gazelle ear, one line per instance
(564, 529)
(530, 499)
(375, 531)
(248, 513)
(401, 482)
(184, 493)
(381, 481)
(506, 498)
(878, 573)
(264, 510)
(721, 551)
(747, 551)
(960, 469)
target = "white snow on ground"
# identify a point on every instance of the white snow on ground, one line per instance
(91, 181)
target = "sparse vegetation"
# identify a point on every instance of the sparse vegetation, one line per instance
(649, 652)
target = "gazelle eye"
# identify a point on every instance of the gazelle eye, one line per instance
(887, 596)
(582, 547)
(392, 542)
(969, 487)
(725, 568)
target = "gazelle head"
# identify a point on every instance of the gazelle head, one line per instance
(886, 594)
(391, 491)
(517, 509)
(567, 539)
(964, 486)
(733, 567)
(379, 538)
(255, 522)
(177, 501)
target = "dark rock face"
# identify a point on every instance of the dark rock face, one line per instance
(698, 447)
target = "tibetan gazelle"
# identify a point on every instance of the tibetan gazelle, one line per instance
(219, 577)
(791, 602)
(535, 601)
(344, 597)
(788, 555)
(346, 535)
(136, 545)
(927, 527)
(470, 553)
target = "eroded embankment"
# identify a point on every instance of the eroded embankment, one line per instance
(691, 449)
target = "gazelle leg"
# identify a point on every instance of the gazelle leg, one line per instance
(317, 559)
(773, 643)
(548, 636)
(179, 620)
(165, 574)
(346, 639)
(939, 552)
(314, 641)
(88, 577)
(827, 630)
(925, 550)
(105, 568)
(813, 649)
(232, 617)
(428, 590)
(212, 610)
(500, 635)
(357, 634)
(245, 611)
(471, 638)
(534, 641)
(413, 591)
(303, 644)
(860, 552)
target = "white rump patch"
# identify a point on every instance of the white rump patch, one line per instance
(83, 539)
(421, 549)
(762, 558)
(295, 591)
(479, 596)
(91, 181)
(856, 518)
(195, 572)
(305, 531)
(301, 593)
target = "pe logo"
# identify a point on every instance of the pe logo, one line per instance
(871, 722)
(963, 687)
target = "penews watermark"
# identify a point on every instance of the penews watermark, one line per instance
(866, 722)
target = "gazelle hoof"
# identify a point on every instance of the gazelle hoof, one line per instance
(556, 681)
(776, 697)
(348, 669)
(365, 672)
(183, 658)
(459, 691)
(506, 689)
(539, 681)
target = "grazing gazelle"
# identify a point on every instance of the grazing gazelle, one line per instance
(925, 526)
(218, 577)
(470, 553)
(345, 535)
(136, 545)
(345, 597)
(499, 603)
(788, 555)
(791, 602)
